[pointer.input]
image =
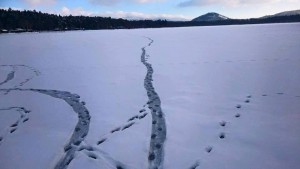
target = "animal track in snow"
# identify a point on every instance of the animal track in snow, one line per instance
(235, 61)
(81, 130)
(82, 126)
(195, 165)
(208, 149)
(130, 122)
(115, 130)
(128, 125)
(159, 129)
(237, 115)
(278, 93)
(92, 155)
(9, 77)
(15, 70)
(22, 119)
(96, 154)
(223, 123)
(133, 118)
(222, 135)
(101, 141)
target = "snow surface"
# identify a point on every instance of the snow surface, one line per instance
(230, 96)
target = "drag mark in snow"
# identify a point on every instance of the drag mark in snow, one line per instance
(159, 130)
(82, 126)
(22, 119)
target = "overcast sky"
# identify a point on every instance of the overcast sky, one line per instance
(156, 9)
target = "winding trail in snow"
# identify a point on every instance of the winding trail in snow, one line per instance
(159, 130)
(82, 126)
(77, 141)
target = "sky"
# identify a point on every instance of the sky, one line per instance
(155, 9)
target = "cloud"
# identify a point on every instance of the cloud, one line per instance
(105, 2)
(75, 12)
(121, 14)
(224, 2)
(113, 2)
(142, 16)
(39, 2)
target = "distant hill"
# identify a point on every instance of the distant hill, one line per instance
(212, 16)
(286, 13)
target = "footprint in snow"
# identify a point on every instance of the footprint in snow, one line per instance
(208, 149)
(223, 123)
(222, 135)
(101, 141)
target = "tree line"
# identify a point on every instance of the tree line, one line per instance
(20, 21)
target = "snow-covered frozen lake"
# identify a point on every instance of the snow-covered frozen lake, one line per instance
(225, 97)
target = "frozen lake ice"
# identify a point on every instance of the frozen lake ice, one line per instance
(169, 98)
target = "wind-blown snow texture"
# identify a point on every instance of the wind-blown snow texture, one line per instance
(184, 98)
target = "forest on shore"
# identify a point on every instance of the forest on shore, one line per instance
(28, 21)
